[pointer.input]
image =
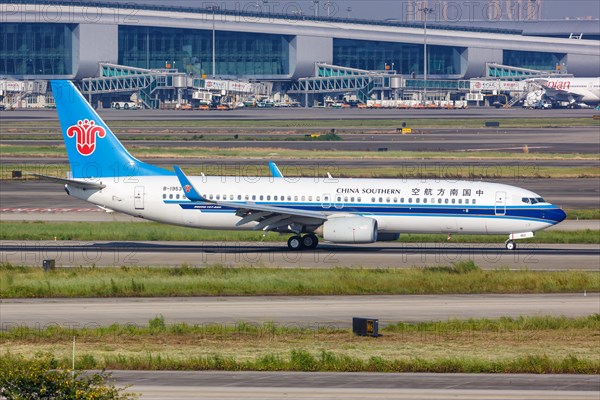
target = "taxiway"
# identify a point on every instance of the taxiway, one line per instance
(307, 311)
(177, 385)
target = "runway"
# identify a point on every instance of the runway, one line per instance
(356, 386)
(306, 311)
(533, 256)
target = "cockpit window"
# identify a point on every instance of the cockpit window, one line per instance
(532, 200)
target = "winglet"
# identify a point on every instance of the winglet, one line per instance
(275, 172)
(189, 189)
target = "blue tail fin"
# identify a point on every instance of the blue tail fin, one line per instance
(93, 150)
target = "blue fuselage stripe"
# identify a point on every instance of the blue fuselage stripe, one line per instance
(541, 213)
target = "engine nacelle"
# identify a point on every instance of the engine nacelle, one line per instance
(349, 230)
(387, 236)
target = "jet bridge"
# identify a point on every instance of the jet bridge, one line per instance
(123, 79)
(507, 72)
(151, 83)
(331, 79)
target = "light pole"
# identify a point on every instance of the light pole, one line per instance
(316, 3)
(534, 10)
(426, 11)
(349, 9)
(213, 9)
(328, 5)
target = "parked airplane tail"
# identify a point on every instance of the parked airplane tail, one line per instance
(93, 150)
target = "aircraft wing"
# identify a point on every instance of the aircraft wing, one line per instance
(562, 95)
(268, 217)
(538, 81)
(71, 182)
(554, 93)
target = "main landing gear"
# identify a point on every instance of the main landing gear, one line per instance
(309, 241)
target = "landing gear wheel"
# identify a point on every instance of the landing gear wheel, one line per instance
(310, 241)
(295, 243)
(510, 245)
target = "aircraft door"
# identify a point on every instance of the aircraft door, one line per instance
(500, 205)
(138, 198)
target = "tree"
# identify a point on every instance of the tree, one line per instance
(39, 378)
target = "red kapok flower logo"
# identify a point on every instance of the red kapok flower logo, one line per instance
(85, 132)
(187, 188)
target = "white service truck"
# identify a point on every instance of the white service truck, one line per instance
(124, 105)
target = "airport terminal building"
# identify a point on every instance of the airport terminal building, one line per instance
(42, 40)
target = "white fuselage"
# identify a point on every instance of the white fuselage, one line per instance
(585, 89)
(407, 206)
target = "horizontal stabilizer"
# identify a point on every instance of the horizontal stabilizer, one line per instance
(71, 182)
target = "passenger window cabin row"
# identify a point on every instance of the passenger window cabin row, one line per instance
(338, 199)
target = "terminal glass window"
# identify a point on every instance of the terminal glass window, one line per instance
(532, 59)
(36, 49)
(190, 51)
(405, 58)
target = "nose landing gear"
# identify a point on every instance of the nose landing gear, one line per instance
(510, 242)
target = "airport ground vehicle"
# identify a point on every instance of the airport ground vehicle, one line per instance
(124, 105)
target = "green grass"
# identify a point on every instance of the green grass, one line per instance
(540, 344)
(326, 361)
(417, 123)
(24, 282)
(118, 231)
(532, 323)
(583, 214)
(150, 231)
(329, 361)
(158, 325)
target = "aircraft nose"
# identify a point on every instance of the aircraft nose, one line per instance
(557, 215)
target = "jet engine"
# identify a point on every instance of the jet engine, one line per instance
(349, 230)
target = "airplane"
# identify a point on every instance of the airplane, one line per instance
(570, 91)
(338, 210)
